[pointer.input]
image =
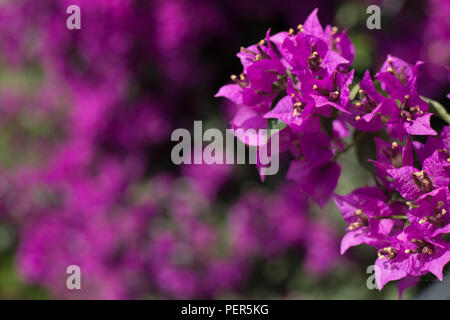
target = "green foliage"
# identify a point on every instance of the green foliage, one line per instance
(438, 109)
(12, 286)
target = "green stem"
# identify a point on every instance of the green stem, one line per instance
(400, 217)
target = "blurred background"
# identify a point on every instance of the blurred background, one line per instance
(85, 171)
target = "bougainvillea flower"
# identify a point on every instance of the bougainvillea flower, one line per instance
(398, 77)
(431, 213)
(364, 210)
(296, 110)
(366, 114)
(335, 40)
(305, 52)
(263, 76)
(410, 254)
(390, 156)
(332, 90)
(412, 183)
(293, 111)
(339, 42)
(262, 50)
(410, 117)
(393, 154)
(312, 25)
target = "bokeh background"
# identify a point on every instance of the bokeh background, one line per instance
(85, 171)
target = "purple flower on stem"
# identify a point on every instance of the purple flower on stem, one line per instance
(367, 214)
(431, 213)
(398, 79)
(390, 156)
(410, 254)
(295, 110)
(332, 90)
(412, 183)
(410, 118)
(367, 114)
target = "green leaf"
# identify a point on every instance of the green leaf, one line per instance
(438, 109)
(274, 124)
(354, 91)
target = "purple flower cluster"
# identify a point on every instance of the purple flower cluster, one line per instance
(302, 78)
(406, 215)
(296, 77)
(302, 71)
